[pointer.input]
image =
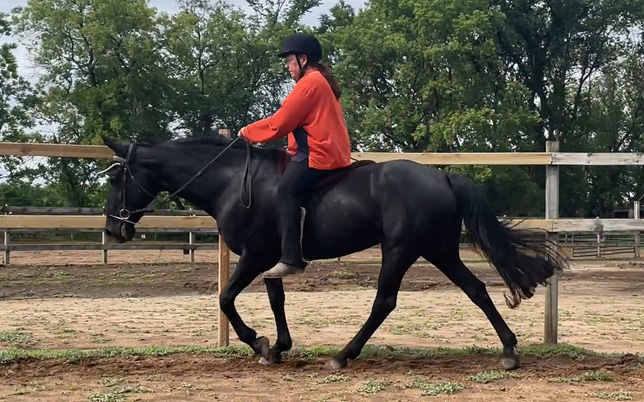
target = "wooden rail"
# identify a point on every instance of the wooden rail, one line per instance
(96, 223)
(145, 245)
(23, 210)
(186, 223)
(428, 158)
(82, 222)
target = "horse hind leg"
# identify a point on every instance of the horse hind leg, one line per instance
(454, 268)
(396, 260)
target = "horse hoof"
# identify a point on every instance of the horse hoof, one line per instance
(262, 347)
(264, 362)
(334, 365)
(275, 356)
(510, 363)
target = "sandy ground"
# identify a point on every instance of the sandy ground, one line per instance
(72, 304)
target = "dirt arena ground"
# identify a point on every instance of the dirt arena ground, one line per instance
(148, 331)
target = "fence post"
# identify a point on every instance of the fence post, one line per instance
(636, 215)
(104, 243)
(224, 272)
(191, 242)
(552, 212)
(7, 253)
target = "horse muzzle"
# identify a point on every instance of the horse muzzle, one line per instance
(122, 232)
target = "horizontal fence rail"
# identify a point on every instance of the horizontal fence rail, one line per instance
(22, 210)
(24, 219)
(78, 246)
(428, 158)
(188, 223)
(151, 222)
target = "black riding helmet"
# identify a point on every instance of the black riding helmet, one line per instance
(302, 44)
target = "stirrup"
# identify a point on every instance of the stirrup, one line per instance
(281, 269)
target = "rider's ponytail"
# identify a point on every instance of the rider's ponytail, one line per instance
(325, 70)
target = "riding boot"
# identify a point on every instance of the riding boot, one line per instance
(292, 261)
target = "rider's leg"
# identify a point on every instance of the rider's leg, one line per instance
(297, 179)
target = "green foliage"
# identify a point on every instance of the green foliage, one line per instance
(223, 65)
(17, 100)
(119, 68)
(494, 76)
(426, 76)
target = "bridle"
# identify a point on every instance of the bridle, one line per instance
(124, 214)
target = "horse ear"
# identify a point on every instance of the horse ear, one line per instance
(118, 148)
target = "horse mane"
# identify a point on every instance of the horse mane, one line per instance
(215, 140)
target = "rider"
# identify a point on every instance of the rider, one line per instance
(318, 140)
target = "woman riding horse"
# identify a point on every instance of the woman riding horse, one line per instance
(318, 140)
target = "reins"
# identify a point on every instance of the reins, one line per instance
(124, 214)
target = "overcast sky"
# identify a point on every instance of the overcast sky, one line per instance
(169, 6)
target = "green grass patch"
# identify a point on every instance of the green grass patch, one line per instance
(17, 338)
(614, 396)
(485, 377)
(334, 378)
(74, 355)
(345, 274)
(562, 350)
(589, 376)
(105, 397)
(430, 388)
(373, 386)
(118, 393)
(110, 382)
(371, 351)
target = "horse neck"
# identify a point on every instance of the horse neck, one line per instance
(209, 191)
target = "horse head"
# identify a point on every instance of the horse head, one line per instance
(133, 187)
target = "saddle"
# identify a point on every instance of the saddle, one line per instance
(284, 159)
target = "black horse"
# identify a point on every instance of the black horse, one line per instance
(411, 210)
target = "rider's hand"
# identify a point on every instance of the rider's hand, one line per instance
(242, 134)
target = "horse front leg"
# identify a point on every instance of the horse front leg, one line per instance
(276, 297)
(247, 269)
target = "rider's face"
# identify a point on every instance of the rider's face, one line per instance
(293, 67)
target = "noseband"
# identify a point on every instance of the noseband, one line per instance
(124, 214)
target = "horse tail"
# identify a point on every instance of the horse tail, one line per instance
(523, 258)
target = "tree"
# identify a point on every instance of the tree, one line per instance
(118, 68)
(555, 49)
(427, 76)
(102, 75)
(491, 76)
(217, 65)
(610, 117)
(17, 100)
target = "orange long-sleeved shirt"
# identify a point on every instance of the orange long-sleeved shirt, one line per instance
(312, 106)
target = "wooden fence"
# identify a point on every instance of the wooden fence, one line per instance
(552, 159)
(598, 245)
(40, 220)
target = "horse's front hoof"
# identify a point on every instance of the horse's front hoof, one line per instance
(275, 356)
(334, 364)
(265, 362)
(510, 362)
(261, 346)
